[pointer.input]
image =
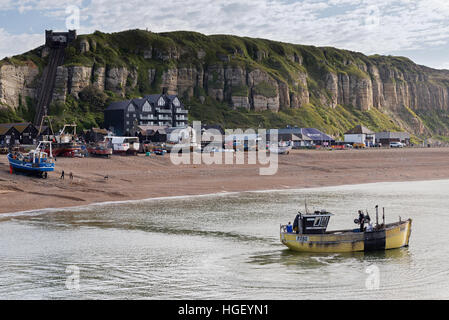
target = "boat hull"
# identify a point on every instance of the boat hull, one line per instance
(394, 236)
(64, 149)
(19, 165)
(100, 152)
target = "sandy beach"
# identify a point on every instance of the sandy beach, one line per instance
(131, 178)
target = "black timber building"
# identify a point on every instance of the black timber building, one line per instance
(124, 117)
(18, 133)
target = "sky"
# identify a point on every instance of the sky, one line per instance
(417, 29)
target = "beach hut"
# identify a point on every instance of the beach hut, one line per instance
(152, 133)
(27, 131)
(9, 135)
(360, 134)
(386, 137)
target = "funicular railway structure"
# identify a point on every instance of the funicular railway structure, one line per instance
(57, 42)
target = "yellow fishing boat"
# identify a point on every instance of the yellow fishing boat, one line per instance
(308, 234)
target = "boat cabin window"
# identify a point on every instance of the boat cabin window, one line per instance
(315, 223)
(321, 221)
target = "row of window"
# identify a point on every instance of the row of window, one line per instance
(160, 123)
(161, 102)
(147, 107)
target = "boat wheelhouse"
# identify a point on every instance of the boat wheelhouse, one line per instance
(315, 223)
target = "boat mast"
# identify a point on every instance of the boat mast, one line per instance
(377, 215)
(42, 121)
(51, 152)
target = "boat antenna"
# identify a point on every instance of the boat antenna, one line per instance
(383, 216)
(377, 214)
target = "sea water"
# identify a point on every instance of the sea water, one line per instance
(225, 246)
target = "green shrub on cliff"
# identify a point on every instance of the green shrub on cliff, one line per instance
(265, 89)
(141, 51)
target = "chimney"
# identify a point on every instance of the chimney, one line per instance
(164, 90)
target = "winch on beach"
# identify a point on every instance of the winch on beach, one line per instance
(308, 234)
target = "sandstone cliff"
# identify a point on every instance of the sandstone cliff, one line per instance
(252, 74)
(16, 83)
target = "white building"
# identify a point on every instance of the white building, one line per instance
(360, 134)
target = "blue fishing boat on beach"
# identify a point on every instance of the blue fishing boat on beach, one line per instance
(36, 162)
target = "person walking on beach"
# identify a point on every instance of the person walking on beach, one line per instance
(71, 175)
(62, 175)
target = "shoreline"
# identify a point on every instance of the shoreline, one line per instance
(105, 203)
(155, 178)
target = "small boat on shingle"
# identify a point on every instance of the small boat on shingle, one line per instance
(36, 162)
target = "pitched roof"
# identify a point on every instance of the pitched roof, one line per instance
(100, 131)
(6, 125)
(5, 129)
(139, 102)
(171, 129)
(293, 136)
(148, 130)
(22, 126)
(305, 134)
(300, 137)
(153, 98)
(19, 126)
(119, 105)
(316, 135)
(213, 126)
(359, 129)
(289, 130)
(392, 135)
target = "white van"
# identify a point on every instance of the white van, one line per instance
(124, 144)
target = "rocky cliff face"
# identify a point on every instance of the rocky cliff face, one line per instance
(73, 79)
(244, 73)
(17, 83)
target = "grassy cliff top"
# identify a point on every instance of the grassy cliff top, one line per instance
(126, 48)
(142, 50)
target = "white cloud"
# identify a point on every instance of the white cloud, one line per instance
(370, 26)
(12, 44)
(443, 66)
